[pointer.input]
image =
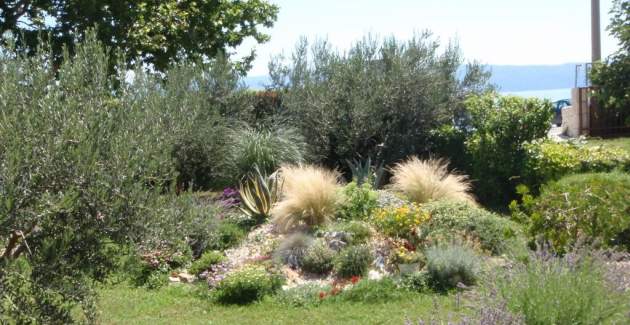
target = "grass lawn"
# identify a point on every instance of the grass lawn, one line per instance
(623, 143)
(182, 305)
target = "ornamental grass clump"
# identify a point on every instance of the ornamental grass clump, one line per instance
(310, 197)
(429, 180)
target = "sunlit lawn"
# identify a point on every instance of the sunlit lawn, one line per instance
(623, 143)
(182, 305)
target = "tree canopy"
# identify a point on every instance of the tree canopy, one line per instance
(156, 31)
(612, 76)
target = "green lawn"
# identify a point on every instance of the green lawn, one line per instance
(623, 143)
(181, 305)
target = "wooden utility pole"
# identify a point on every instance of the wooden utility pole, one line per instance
(596, 43)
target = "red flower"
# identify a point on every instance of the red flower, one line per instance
(322, 295)
(354, 279)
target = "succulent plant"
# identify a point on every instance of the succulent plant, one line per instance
(258, 194)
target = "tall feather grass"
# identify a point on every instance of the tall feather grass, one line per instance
(429, 180)
(310, 197)
(267, 148)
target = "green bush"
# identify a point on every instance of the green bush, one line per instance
(550, 161)
(359, 232)
(318, 259)
(87, 162)
(206, 260)
(371, 291)
(226, 235)
(202, 159)
(181, 223)
(502, 125)
(292, 250)
(353, 261)
(558, 291)
(247, 285)
(417, 281)
(266, 148)
(494, 233)
(595, 207)
(449, 265)
(359, 201)
(379, 99)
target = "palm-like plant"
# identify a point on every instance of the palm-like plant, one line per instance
(259, 193)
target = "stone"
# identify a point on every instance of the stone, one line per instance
(186, 278)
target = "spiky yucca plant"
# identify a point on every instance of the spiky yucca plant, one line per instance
(429, 180)
(258, 194)
(310, 197)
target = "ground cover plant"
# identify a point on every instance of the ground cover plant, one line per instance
(569, 290)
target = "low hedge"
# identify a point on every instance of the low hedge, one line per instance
(549, 161)
(593, 207)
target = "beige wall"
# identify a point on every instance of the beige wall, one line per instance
(570, 116)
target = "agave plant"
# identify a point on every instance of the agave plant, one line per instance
(364, 171)
(258, 194)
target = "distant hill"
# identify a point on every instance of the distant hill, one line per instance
(509, 78)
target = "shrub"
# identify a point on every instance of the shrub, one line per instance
(551, 290)
(401, 222)
(502, 125)
(584, 206)
(292, 250)
(449, 265)
(310, 197)
(226, 235)
(359, 201)
(371, 291)
(379, 99)
(417, 281)
(247, 285)
(429, 180)
(319, 258)
(550, 161)
(86, 161)
(266, 148)
(201, 158)
(206, 260)
(358, 232)
(179, 223)
(495, 234)
(353, 261)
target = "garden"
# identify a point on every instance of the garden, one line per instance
(370, 186)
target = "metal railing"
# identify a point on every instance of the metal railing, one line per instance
(583, 74)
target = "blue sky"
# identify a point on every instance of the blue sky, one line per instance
(514, 32)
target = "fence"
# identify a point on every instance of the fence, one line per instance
(597, 121)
